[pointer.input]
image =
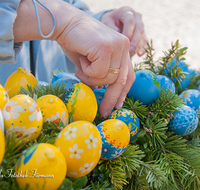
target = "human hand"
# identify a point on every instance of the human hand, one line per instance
(130, 25)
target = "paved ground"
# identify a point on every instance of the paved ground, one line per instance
(165, 22)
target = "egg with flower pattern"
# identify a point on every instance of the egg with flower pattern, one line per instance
(166, 83)
(80, 143)
(81, 102)
(53, 109)
(43, 166)
(115, 137)
(129, 118)
(22, 114)
(2, 143)
(184, 121)
(191, 98)
(3, 97)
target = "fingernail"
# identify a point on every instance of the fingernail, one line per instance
(141, 52)
(106, 114)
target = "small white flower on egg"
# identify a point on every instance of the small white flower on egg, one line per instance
(75, 151)
(92, 141)
(36, 112)
(5, 96)
(70, 133)
(23, 131)
(86, 167)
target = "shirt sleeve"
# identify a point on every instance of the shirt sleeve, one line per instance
(8, 49)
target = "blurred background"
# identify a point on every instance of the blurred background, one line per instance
(165, 22)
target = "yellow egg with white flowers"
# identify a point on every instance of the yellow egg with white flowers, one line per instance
(3, 97)
(80, 143)
(43, 167)
(53, 109)
(81, 102)
(2, 144)
(23, 115)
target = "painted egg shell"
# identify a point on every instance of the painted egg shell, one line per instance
(99, 94)
(64, 75)
(105, 86)
(181, 64)
(19, 78)
(166, 83)
(68, 82)
(53, 109)
(193, 73)
(129, 118)
(43, 83)
(191, 98)
(146, 87)
(115, 137)
(23, 115)
(80, 143)
(2, 143)
(184, 122)
(1, 121)
(81, 103)
(43, 167)
(3, 97)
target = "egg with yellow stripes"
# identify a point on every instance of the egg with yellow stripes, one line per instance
(115, 137)
(81, 102)
(43, 167)
(80, 143)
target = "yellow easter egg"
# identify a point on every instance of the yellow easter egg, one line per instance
(21, 77)
(81, 103)
(23, 115)
(53, 109)
(115, 136)
(80, 143)
(3, 97)
(41, 166)
(2, 144)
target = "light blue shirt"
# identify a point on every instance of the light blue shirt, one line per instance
(47, 55)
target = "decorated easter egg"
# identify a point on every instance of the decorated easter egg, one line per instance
(23, 115)
(115, 137)
(53, 109)
(1, 121)
(2, 143)
(21, 77)
(146, 87)
(184, 121)
(81, 102)
(3, 97)
(166, 83)
(80, 143)
(181, 64)
(99, 94)
(64, 75)
(43, 167)
(68, 82)
(192, 98)
(43, 83)
(129, 118)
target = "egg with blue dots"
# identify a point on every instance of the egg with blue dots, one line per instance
(146, 87)
(129, 118)
(191, 98)
(115, 137)
(44, 166)
(184, 121)
(181, 64)
(166, 83)
(64, 75)
(22, 114)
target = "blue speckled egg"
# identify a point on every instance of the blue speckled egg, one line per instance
(191, 98)
(166, 83)
(68, 82)
(128, 117)
(115, 137)
(99, 94)
(181, 64)
(64, 75)
(184, 121)
(146, 87)
(43, 83)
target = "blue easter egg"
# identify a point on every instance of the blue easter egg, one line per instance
(191, 98)
(68, 82)
(64, 75)
(99, 94)
(128, 117)
(43, 83)
(184, 121)
(166, 83)
(181, 64)
(146, 87)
